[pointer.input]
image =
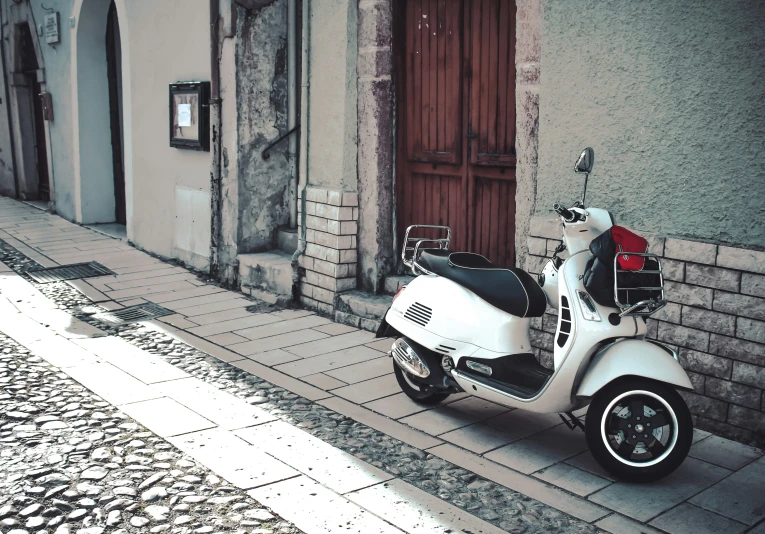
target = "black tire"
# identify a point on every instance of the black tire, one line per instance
(615, 438)
(420, 396)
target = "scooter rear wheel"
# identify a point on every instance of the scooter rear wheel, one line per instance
(416, 392)
(639, 430)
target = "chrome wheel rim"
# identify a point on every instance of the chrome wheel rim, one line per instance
(639, 428)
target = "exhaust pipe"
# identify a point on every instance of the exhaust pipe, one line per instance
(406, 358)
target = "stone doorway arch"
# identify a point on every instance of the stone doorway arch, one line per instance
(96, 143)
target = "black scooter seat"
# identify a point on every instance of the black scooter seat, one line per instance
(513, 291)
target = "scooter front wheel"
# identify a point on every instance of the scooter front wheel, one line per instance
(414, 391)
(639, 430)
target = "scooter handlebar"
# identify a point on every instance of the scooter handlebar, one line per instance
(567, 214)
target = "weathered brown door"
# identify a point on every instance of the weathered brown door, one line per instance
(43, 177)
(456, 122)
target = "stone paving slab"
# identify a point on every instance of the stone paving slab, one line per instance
(166, 417)
(320, 510)
(740, 496)
(688, 519)
(431, 515)
(644, 503)
(331, 467)
(225, 410)
(131, 359)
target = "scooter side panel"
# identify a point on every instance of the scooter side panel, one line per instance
(459, 319)
(632, 357)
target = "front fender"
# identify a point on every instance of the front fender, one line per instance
(632, 357)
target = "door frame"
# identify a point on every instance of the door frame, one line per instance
(91, 126)
(378, 34)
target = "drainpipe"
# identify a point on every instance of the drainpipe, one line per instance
(215, 122)
(292, 105)
(8, 102)
(304, 129)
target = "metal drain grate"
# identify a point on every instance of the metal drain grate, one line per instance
(68, 272)
(133, 314)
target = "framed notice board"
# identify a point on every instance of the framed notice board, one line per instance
(190, 115)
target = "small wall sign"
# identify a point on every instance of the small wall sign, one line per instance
(190, 115)
(51, 28)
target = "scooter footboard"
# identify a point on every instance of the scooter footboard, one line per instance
(633, 357)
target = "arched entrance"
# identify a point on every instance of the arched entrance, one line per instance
(100, 146)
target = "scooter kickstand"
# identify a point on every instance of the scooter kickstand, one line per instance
(572, 422)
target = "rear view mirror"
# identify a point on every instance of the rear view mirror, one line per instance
(586, 161)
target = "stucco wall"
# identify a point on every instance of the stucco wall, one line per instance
(168, 42)
(333, 128)
(671, 95)
(261, 79)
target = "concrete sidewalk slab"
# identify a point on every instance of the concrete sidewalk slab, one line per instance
(331, 467)
(417, 512)
(320, 509)
(223, 409)
(238, 462)
(132, 360)
(166, 417)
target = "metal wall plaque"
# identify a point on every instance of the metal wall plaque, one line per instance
(51, 28)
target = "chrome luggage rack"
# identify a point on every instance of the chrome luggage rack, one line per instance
(643, 307)
(439, 243)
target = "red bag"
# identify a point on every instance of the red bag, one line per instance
(627, 241)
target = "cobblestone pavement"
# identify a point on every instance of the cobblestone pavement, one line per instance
(407, 474)
(71, 462)
(510, 510)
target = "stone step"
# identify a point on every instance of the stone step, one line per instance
(266, 275)
(394, 282)
(287, 240)
(362, 310)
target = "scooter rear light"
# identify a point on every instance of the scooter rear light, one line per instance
(398, 293)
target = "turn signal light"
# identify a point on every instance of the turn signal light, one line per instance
(398, 293)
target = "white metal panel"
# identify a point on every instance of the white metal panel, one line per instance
(459, 318)
(192, 220)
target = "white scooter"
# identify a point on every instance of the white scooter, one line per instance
(463, 325)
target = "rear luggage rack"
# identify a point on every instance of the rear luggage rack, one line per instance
(441, 243)
(639, 292)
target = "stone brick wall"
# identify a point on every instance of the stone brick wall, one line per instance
(715, 320)
(328, 265)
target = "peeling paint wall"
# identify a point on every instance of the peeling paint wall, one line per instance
(671, 95)
(261, 77)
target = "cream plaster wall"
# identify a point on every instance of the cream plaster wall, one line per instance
(671, 95)
(168, 42)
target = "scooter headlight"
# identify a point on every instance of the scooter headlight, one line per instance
(408, 359)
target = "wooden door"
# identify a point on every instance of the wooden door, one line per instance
(456, 122)
(43, 177)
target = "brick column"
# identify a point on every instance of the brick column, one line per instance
(328, 265)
